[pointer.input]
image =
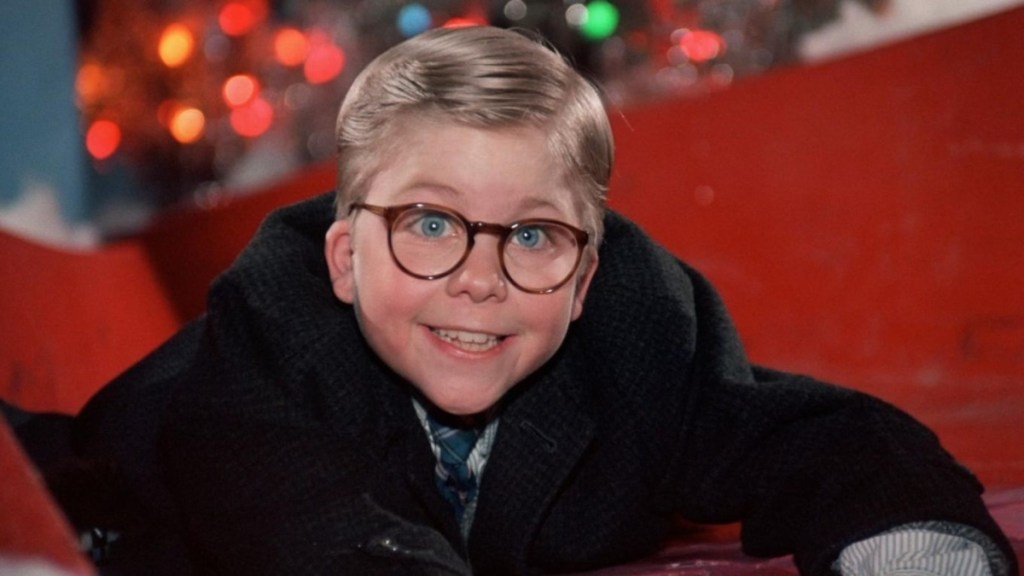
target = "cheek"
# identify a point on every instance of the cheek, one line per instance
(550, 318)
(374, 276)
(385, 325)
(386, 299)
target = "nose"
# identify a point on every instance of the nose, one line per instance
(480, 276)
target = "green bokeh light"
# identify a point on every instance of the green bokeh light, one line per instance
(602, 20)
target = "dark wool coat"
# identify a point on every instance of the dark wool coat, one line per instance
(289, 448)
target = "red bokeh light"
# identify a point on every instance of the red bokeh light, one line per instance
(103, 139)
(464, 22)
(176, 45)
(238, 18)
(240, 89)
(252, 119)
(187, 125)
(324, 61)
(290, 47)
(702, 45)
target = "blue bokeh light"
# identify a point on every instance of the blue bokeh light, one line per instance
(413, 19)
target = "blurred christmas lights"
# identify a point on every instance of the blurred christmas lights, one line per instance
(601, 22)
(463, 22)
(89, 83)
(515, 10)
(699, 45)
(324, 61)
(225, 74)
(102, 139)
(252, 119)
(290, 47)
(176, 45)
(240, 89)
(240, 17)
(413, 19)
(186, 125)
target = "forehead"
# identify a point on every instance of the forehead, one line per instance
(488, 173)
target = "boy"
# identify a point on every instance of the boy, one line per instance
(423, 392)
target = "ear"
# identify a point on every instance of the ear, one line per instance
(338, 252)
(583, 284)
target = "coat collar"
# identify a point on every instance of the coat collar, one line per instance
(542, 433)
(547, 422)
(406, 444)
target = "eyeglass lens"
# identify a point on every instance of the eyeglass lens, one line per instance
(536, 255)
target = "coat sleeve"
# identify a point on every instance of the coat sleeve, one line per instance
(807, 467)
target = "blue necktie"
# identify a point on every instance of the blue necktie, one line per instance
(454, 479)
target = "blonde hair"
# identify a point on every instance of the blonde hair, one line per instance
(481, 77)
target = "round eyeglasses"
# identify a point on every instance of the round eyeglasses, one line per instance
(429, 242)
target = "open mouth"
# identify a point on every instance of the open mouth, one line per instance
(468, 341)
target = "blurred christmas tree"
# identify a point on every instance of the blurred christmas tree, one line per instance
(191, 97)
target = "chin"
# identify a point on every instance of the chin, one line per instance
(463, 409)
(460, 406)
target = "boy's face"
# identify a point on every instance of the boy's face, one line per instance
(467, 338)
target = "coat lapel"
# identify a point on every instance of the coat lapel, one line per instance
(407, 446)
(419, 476)
(543, 432)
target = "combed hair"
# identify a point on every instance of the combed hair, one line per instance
(482, 77)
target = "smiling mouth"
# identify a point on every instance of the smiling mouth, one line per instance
(468, 341)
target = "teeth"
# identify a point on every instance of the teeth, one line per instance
(471, 341)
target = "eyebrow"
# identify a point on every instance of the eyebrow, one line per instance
(533, 202)
(524, 205)
(415, 187)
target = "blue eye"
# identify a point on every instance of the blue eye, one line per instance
(433, 225)
(529, 236)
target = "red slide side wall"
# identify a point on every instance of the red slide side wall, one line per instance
(864, 220)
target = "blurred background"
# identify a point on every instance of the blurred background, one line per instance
(115, 111)
(848, 174)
